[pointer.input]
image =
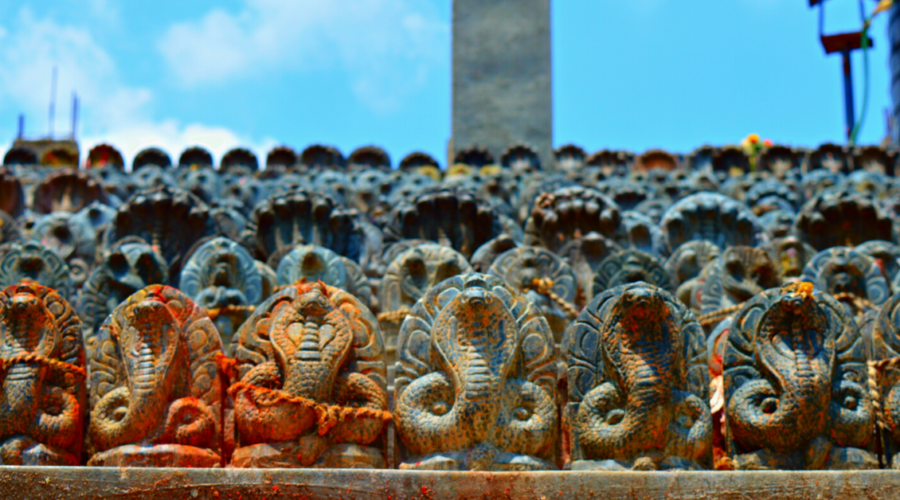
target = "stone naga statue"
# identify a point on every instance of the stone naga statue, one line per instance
(155, 389)
(733, 278)
(685, 264)
(310, 385)
(222, 276)
(42, 378)
(408, 277)
(638, 382)
(545, 278)
(29, 260)
(850, 276)
(476, 380)
(315, 263)
(128, 266)
(795, 384)
(885, 338)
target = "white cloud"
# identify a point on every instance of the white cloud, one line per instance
(29, 51)
(174, 138)
(386, 47)
(111, 111)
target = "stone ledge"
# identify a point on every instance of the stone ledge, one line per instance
(135, 483)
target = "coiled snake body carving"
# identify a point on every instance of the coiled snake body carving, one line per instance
(155, 391)
(637, 380)
(476, 382)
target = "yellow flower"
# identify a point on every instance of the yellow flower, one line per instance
(882, 6)
(753, 138)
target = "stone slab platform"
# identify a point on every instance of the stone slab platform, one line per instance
(72, 483)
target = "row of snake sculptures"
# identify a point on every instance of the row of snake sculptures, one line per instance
(476, 386)
(594, 318)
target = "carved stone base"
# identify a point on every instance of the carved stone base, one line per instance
(485, 458)
(644, 463)
(287, 455)
(164, 455)
(26, 451)
(819, 456)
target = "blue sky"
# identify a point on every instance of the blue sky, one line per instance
(629, 74)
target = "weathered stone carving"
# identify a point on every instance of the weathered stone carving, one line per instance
(451, 217)
(885, 337)
(72, 238)
(315, 263)
(476, 381)
(850, 276)
(778, 222)
(790, 256)
(768, 191)
(171, 220)
(222, 277)
(130, 265)
(712, 217)
(585, 255)
(735, 277)
(66, 190)
(686, 263)
(545, 279)
(311, 387)
(300, 217)
(886, 255)
(155, 390)
(569, 157)
(12, 196)
(638, 383)
(795, 384)
(631, 266)
(486, 254)
(42, 378)
(31, 261)
(835, 218)
(571, 212)
(8, 230)
(406, 280)
(641, 233)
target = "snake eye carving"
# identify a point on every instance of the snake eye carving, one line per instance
(440, 408)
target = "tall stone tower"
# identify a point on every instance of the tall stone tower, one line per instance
(502, 76)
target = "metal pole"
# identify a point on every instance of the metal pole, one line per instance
(74, 114)
(52, 101)
(848, 91)
(21, 126)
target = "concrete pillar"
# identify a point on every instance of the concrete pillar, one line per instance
(894, 40)
(502, 76)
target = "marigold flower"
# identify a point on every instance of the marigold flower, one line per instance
(753, 138)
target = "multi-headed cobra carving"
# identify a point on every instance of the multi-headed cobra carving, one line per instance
(685, 264)
(885, 338)
(154, 385)
(545, 279)
(32, 261)
(850, 276)
(638, 383)
(713, 217)
(476, 380)
(734, 278)
(630, 266)
(128, 266)
(42, 378)
(310, 387)
(408, 277)
(222, 276)
(795, 384)
(314, 263)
